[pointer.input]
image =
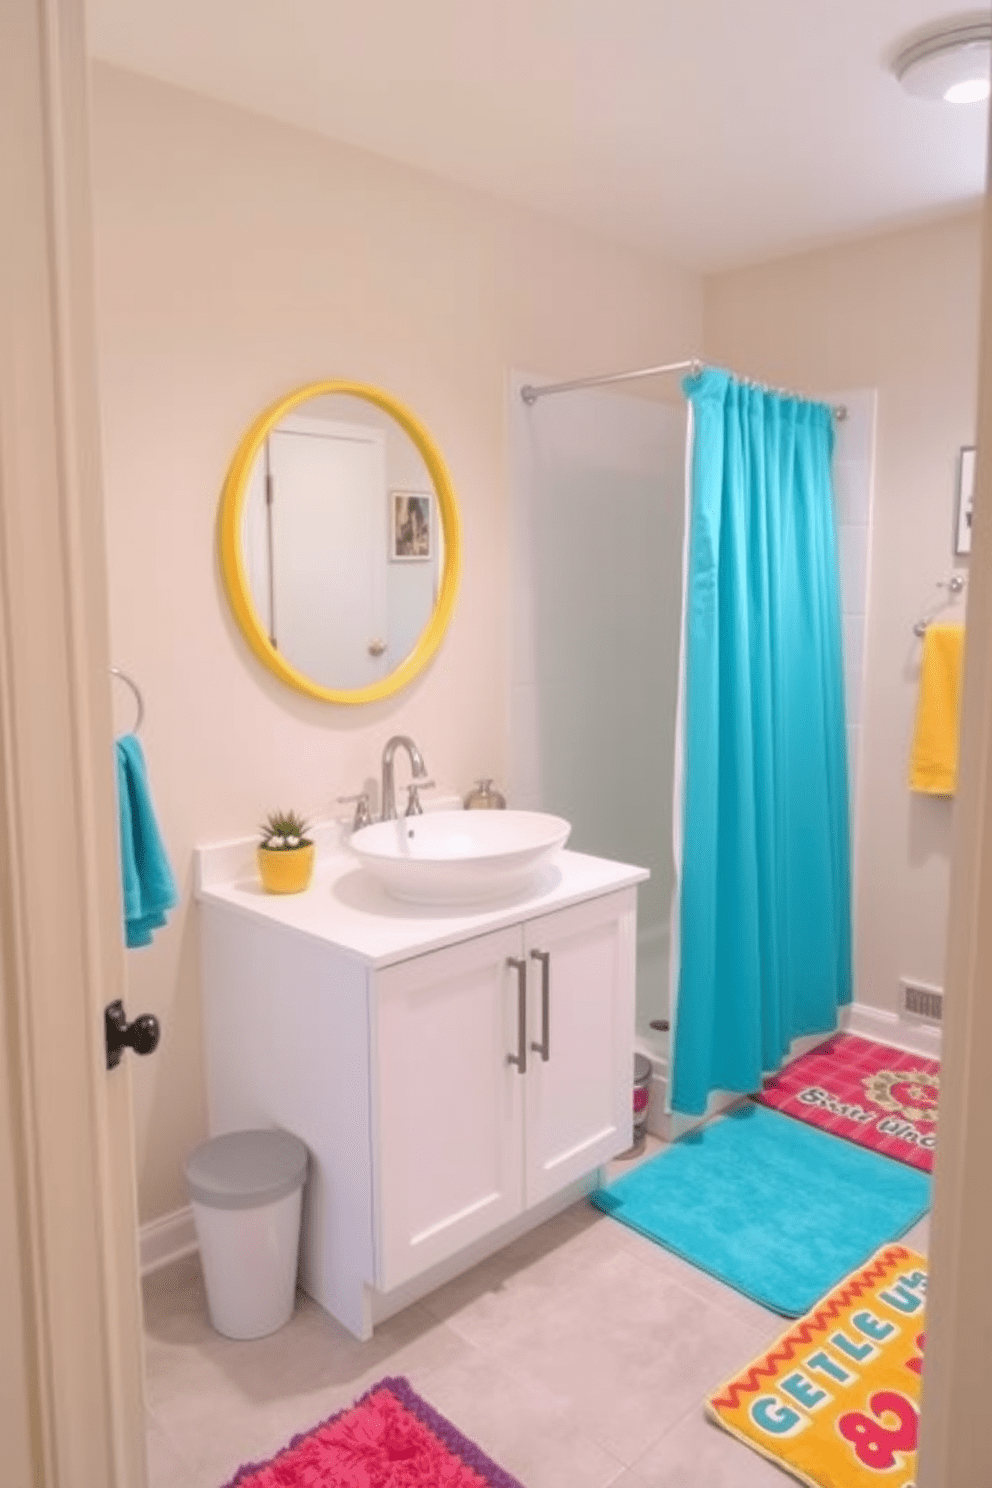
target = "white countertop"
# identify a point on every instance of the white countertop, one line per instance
(345, 907)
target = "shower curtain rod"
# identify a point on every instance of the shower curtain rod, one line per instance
(530, 394)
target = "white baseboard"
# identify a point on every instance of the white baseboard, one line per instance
(901, 1031)
(166, 1239)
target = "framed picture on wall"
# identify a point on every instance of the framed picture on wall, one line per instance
(966, 499)
(411, 527)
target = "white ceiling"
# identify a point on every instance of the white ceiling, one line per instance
(717, 132)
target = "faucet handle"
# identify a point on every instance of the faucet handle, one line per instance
(413, 806)
(363, 811)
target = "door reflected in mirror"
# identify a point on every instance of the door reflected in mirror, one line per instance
(336, 542)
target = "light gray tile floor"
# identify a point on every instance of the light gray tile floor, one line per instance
(578, 1357)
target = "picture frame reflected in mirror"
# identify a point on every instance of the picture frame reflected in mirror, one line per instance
(411, 526)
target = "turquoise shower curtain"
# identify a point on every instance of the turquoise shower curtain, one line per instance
(765, 905)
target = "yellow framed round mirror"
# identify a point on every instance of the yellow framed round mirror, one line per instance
(340, 547)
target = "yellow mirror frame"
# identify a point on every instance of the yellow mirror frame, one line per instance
(235, 575)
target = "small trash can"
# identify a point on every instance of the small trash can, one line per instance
(642, 1096)
(246, 1190)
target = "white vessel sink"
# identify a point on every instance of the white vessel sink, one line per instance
(460, 857)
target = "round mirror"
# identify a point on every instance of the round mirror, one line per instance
(339, 542)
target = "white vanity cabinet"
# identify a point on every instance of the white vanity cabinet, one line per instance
(464, 1138)
(456, 1076)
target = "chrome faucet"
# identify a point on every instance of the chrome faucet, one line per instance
(388, 798)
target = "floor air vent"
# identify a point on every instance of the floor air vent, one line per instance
(921, 1001)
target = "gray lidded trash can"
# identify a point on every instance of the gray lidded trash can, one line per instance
(246, 1190)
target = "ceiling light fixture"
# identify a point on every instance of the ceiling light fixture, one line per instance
(950, 64)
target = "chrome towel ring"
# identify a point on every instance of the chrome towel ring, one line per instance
(128, 682)
(955, 585)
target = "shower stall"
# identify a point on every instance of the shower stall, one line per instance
(598, 489)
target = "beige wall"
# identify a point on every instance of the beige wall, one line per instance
(236, 259)
(898, 313)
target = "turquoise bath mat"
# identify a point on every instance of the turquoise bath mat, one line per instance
(773, 1207)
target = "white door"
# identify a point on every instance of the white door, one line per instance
(581, 1031)
(327, 603)
(448, 1103)
(70, 1313)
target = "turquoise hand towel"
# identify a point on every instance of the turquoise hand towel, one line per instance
(149, 889)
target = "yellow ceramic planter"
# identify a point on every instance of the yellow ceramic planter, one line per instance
(285, 870)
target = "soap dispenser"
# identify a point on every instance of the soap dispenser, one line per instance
(483, 797)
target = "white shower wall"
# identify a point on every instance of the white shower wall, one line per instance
(598, 493)
(598, 488)
(853, 467)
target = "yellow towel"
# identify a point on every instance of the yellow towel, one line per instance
(933, 765)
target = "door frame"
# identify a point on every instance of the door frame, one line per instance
(954, 1440)
(71, 1376)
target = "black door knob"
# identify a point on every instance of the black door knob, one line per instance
(142, 1035)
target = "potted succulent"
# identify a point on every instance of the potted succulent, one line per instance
(285, 853)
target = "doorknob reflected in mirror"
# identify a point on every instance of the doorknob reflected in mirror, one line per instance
(142, 1035)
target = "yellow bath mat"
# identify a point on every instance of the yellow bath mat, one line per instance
(933, 765)
(835, 1401)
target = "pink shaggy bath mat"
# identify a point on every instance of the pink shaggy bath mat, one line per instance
(391, 1438)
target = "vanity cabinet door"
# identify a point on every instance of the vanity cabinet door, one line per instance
(579, 1097)
(448, 1107)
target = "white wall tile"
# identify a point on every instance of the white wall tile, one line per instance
(852, 547)
(855, 435)
(852, 492)
(524, 774)
(853, 764)
(854, 640)
(853, 678)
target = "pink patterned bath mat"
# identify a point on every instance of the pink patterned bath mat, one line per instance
(872, 1094)
(391, 1438)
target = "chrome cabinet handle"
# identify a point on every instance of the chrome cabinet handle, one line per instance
(544, 1047)
(520, 1058)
